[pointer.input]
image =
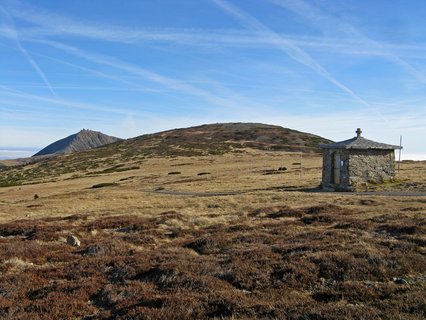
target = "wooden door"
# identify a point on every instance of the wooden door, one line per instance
(336, 168)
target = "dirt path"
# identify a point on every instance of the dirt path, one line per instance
(231, 193)
(197, 194)
(394, 193)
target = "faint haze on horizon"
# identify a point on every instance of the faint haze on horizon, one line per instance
(320, 66)
(7, 154)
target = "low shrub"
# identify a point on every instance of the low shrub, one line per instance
(105, 184)
(139, 267)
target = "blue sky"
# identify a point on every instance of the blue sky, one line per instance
(139, 66)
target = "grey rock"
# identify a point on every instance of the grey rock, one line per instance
(73, 241)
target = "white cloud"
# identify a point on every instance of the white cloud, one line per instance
(353, 42)
(332, 25)
(231, 101)
(15, 36)
(287, 46)
(4, 90)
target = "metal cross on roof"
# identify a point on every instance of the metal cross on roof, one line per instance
(358, 132)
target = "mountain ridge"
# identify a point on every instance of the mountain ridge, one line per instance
(81, 141)
(218, 138)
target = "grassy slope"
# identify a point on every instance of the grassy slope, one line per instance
(213, 139)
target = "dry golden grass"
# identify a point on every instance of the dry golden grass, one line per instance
(244, 173)
(271, 250)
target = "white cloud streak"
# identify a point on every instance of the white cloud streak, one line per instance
(230, 102)
(330, 24)
(132, 86)
(57, 102)
(259, 35)
(51, 25)
(285, 45)
(15, 36)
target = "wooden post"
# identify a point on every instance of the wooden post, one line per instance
(301, 165)
(399, 157)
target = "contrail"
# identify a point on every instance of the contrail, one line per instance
(326, 22)
(36, 67)
(285, 45)
(58, 101)
(170, 83)
(25, 53)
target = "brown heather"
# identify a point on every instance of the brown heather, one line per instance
(234, 244)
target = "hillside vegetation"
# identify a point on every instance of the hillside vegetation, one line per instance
(225, 137)
(213, 139)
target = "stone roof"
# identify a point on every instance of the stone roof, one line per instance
(359, 143)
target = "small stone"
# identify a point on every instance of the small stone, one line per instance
(400, 281)
(73, 241)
